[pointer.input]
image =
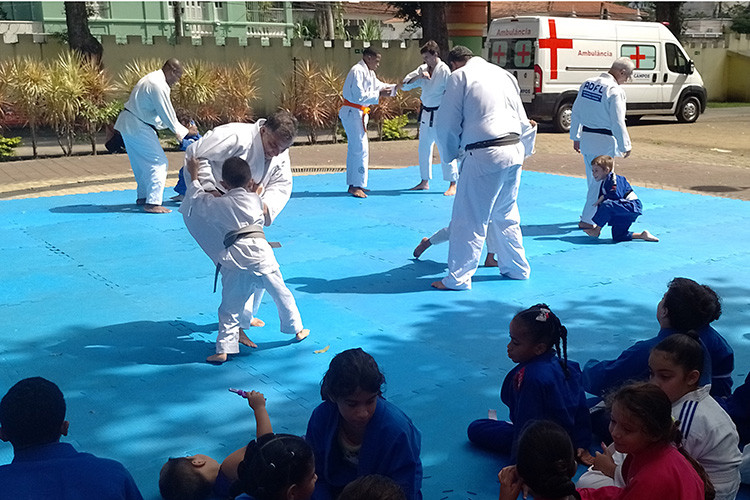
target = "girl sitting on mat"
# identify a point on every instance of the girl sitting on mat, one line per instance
(543, 385)
(355, 431)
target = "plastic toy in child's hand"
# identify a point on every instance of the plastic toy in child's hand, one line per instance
(239, 392)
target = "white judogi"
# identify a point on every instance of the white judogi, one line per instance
(482, 102)
(223, 142)
(432, 94)
(148, 106)
(247, 265)
(600, 105)
(709, 435)
(362, 88)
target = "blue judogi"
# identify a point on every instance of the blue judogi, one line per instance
(620, 208)
(391, 448)
(534, 390)
(57, 470)
(601, 377)
(738, 407)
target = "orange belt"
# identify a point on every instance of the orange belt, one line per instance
(364, 109)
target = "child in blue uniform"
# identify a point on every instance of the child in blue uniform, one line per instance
(617, 205)
(687, 307)
(543, 385)
(355, 432)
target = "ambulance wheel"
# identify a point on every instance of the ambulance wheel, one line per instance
(688, 110)
(562, 117)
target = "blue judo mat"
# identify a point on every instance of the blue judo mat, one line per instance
(116, 307)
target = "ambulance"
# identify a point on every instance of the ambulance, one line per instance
(552, 56)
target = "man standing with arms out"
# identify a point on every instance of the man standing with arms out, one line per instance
(32, 418)
(482, 114)
(264, 146)
(597, 126)
(432, 77)
(148, 109)
(361, 89)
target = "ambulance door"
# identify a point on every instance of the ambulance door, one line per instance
(644, 87)
(516, 56)
(676, 71)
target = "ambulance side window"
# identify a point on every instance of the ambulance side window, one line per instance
(676, 61)
(643, 56)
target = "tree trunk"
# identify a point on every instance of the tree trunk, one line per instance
(80, 38)
(434, 26)
(177, 14)
(670, 12)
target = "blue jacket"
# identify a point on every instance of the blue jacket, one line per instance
(601, 377)
(538, 389)
(57, 470)
(391, 448)
(620, 192)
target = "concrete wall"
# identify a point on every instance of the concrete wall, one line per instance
(272, 55)
(724, 65)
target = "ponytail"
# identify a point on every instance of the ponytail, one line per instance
(676, 439)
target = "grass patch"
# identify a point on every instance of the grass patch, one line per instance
(727, 104)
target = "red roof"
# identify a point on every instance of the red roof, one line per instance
(563, 9)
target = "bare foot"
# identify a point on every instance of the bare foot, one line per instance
(594, 231)
(439, 285)
(140, 201)
(177, 197)
(585, 225)
(422, 186)
(451, 191)
(217, 359)
(302, 334)
(155, 209)
(257, 322)
(646, 236)
(357, 192)
(423, 245)
(245, 340)
(490, 261)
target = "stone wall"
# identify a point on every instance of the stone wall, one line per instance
(724, 65)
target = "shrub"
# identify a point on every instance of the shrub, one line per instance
(8, 146)
(393, 128)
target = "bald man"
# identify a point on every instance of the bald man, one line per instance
(149, 109)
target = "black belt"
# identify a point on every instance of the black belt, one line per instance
(431, 110)
(232, 236)
(506, 140)
(602, 131)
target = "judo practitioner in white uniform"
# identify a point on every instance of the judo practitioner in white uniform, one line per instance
(264, 145)
(147, 110)
(361, 89)
(598, 126)
(482, 114)
(431, 77)
(246, 261)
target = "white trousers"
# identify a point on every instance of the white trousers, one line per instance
(210, 239)
(427, 140)
(358, 146)
(148, 161)
(486, 204)
(593, 145)
(236, 288)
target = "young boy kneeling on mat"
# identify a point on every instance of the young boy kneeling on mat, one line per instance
(247, 261)
(617, 205)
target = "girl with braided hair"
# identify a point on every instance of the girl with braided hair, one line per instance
(277, 467)
(543, 385)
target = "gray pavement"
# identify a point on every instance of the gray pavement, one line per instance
(711, 156)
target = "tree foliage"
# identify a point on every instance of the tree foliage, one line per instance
(430, 16)
(740, 18)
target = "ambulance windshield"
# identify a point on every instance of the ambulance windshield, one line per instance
(512, 54)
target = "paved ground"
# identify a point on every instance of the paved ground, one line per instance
(711, 156)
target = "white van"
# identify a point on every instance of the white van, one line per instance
(552, 56)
